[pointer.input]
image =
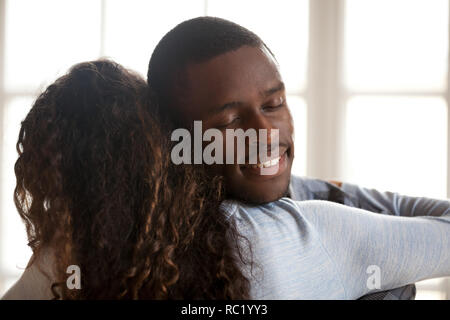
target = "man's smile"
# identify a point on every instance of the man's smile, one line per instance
(266, 170)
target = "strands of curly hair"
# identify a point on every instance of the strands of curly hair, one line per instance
(95, 184)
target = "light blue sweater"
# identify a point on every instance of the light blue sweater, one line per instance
(323, 250)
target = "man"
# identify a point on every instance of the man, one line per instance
(213, 70)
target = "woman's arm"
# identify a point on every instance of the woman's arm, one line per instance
(403, 249)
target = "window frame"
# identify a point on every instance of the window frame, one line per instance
(328, 95)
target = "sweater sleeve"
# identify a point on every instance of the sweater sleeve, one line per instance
(374, 252)
(397, 204)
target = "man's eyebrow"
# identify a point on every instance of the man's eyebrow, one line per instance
(224, 107)
(233, 104)
(278, 87)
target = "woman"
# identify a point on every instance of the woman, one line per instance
(96, 189)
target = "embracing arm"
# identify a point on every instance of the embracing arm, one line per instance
(394, 203)
(403, 249)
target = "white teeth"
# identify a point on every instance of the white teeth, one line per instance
(275, 161)
(266, 164)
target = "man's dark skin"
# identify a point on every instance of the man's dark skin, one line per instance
(242, 89)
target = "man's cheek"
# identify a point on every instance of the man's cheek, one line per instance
(230, 151)
(288, 130)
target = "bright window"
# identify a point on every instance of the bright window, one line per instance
(394, 142)
(396, 76)
(367, 84)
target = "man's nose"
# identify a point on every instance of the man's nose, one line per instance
(268, 138)
(258, 121)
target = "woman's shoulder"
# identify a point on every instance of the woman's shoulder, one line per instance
(284, 210)
(313, 213)
(283, 204)
(35, 282)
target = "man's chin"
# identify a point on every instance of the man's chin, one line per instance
(258, 198)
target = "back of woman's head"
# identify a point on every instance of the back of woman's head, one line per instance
(95, 184)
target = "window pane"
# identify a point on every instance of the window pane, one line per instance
(397, 144)
(431, 295)
(14, 249)
(297, 107)
(44, 38)
(396, 45)
(433, 289)
(134, 27)
(283, 25)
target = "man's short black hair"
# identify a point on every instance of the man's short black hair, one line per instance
(193, 41)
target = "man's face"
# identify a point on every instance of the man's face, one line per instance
(242, 89)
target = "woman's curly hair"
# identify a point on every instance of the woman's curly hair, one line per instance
(95, 184)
